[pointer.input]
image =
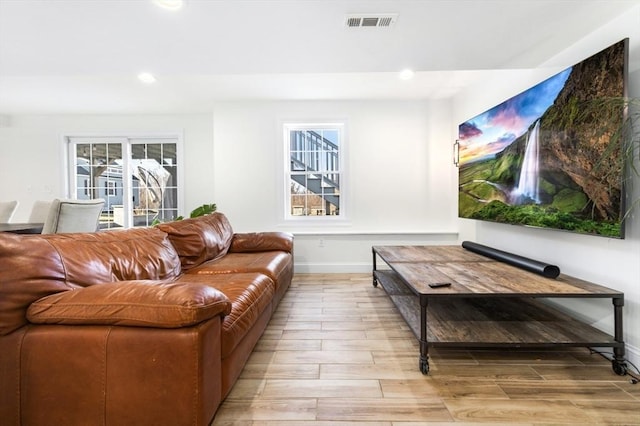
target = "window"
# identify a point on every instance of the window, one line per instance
(137, 177)
(314, 172)
(112, 188)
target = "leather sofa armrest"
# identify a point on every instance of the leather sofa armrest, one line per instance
(262, 241)
(140, 303)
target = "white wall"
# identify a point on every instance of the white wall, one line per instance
(32, 155)
(613, 263)
(400, 186)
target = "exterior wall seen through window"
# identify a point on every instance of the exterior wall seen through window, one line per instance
(314, 175)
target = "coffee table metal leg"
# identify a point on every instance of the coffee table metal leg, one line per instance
(375, 280)
(619, 363)
(424, 346)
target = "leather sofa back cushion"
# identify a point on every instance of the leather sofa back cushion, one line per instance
(30, 268)
(132, 254)
(34, 266)
(262, 241)
(199, 239)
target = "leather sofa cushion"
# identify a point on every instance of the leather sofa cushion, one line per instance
(131, 254)
(248, 302)
(271, 263)
(262, 241)
(199, 239)
(132, 303)
(250, 295)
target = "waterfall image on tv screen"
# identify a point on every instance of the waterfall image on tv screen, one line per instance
(545, 157)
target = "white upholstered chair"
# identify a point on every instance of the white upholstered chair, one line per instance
(73, 216)
(7, 208)
(39, 211)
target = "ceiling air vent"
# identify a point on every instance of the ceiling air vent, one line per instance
(370, 20)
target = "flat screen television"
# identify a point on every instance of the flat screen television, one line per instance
(547, 157)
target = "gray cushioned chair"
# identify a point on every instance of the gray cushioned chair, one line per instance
(73, 216)
(39, 211)
(7, 209)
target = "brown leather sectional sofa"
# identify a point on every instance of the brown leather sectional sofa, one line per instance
(136, 327)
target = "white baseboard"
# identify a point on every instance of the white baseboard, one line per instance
(332, 268)
(633, 356)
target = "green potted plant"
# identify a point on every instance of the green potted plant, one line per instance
(202, 210)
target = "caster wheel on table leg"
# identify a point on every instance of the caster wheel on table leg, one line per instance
(620, 368)
(424, 366)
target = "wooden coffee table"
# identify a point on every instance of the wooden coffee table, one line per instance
(488, 304)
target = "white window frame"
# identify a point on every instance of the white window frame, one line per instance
(125, 138)
(303, 221)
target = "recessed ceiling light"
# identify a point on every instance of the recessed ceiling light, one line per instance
(170, 4)
(146, 78)
(406, 74)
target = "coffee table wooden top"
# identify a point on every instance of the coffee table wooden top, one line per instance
(424, 254)
(471, 274)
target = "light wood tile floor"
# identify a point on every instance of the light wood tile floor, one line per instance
(337, 352)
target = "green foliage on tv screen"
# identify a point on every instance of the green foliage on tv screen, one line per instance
(545, 217)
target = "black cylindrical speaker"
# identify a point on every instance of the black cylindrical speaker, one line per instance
(540, 268)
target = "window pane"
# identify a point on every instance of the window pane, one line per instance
(331, 136)
(170, 198)
(169, 154)
(138, 151)
(314, 170)
(173, 175)
(99, 152)
(154, 151)
(114, 152)
(83, 153)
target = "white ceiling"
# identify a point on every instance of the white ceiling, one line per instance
(82, 56)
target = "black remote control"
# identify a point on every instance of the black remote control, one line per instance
(437, 285)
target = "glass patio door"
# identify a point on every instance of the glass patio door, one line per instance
(137, 178)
